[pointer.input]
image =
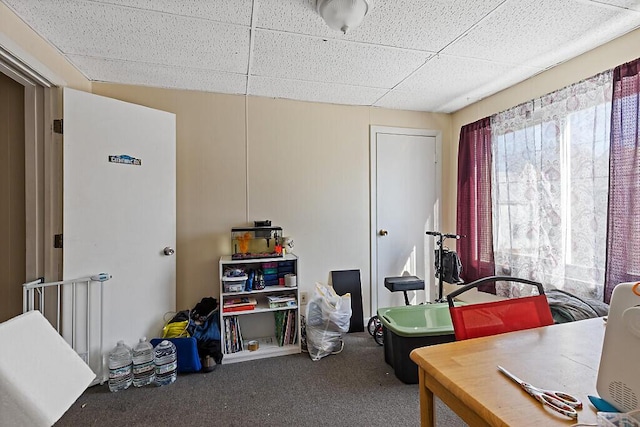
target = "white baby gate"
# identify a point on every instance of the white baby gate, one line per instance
(70, 306)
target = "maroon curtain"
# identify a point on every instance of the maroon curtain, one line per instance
(474, 203)
(623, 223)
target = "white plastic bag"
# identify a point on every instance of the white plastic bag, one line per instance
(328, 317)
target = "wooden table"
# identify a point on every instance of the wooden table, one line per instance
(464, 376)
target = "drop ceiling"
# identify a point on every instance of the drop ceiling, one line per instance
(424, 55)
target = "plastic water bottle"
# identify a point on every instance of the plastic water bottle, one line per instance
(120, 367)
(144, 369)
(166, 363)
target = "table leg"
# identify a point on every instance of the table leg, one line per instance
(427, 403)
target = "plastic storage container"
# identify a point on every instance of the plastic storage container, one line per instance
(234, 284)
(144, 371)
(410, 327)
(166, 363)
(120, 367)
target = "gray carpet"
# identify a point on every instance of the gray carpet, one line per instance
(353, 388)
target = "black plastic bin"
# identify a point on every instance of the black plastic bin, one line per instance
(410, 327)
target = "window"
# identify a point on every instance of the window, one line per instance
(550, 176)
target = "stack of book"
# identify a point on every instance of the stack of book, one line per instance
(286, 330)
(233, 337)
(282, 301)
(238, 304)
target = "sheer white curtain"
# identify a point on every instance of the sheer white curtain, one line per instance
(549, 189)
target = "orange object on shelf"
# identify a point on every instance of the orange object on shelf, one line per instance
(244, 242)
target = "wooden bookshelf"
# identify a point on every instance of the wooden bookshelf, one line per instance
(260, 322)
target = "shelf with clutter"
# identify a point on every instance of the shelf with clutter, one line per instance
(259, 295)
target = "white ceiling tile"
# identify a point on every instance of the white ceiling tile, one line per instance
(298, 57)
(525, 32)
(230, 11)
(113, 32)
(144, 74)
(509, 78)
(419, 24)
(412, 24)
(455, 76)
(418, 101)
(313, 91)
(448, 83)
(296, 16)
(207, 45)
(627, 4)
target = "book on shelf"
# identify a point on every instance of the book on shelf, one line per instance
(283, 304)
(280, 298)
(285, 323)
(232, 309)
(233, 341)
(238, 304)
(282, 301)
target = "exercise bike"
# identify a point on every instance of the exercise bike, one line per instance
(439, 253)
(374, 326)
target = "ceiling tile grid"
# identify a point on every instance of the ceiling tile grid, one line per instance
(314, 91)
(410, 24)
(112, 32)
(230, 11)
(627, 4)
(403, 100)
(447, 73)
(436, 55)
(144, 74)
(425, 25)
(528, 32)
(445, 78)
(301, 57)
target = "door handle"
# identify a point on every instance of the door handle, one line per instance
(383, 232)
(168, 251)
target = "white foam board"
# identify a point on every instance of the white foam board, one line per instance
(41, 376)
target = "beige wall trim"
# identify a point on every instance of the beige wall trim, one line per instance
(34, 155)
(52, 172)
(40, 175)
(35, 70)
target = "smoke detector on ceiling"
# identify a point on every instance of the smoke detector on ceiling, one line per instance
(343, 15)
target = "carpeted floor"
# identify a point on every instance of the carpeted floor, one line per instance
(353, 388)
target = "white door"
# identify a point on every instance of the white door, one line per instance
(405, 195)
(119, 215)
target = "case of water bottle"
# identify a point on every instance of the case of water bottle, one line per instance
(120, 367)
(143, 365)
(144, 370)
(166, 363)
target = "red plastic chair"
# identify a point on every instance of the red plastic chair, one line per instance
(497, 317)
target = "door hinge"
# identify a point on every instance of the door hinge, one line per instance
(57, 241)
(57, 126)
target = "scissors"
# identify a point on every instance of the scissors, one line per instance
(559, 401)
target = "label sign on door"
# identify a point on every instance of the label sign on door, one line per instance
(125, 160)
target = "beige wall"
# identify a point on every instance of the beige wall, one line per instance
(607, 56)
(304, 166)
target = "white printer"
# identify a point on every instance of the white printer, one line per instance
(618, 375)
